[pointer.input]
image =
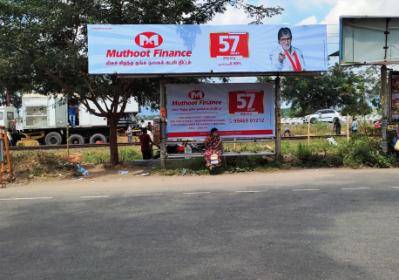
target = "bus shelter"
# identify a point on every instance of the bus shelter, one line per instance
(211, 51)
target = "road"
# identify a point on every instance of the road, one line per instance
(311, 224)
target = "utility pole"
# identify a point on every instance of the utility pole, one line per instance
(385, 109)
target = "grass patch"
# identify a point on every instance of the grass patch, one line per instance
(315, 129)
(101, 155)
(360, 151)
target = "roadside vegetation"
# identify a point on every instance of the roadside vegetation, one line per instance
(360, 151)
(315, 129)
(54, 163)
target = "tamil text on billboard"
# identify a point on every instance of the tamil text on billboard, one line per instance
(184, 49)
(236, 110)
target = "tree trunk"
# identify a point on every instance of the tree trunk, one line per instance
(8, 97)
(113, 140)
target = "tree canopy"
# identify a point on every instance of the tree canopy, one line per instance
(44, 46)
(352, 93)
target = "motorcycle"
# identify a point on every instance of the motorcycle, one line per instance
(214, 162)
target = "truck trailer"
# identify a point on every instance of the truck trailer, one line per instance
(47, 119)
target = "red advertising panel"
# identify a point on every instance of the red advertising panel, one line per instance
(246, 101)
(227, 44)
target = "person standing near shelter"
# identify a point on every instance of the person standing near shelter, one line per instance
(354, 126)
(146, 144)
(286, 57)
(337, 126)
(129, 134)
(72, 114)
(213, 144)
(149, 126)
(149, 131)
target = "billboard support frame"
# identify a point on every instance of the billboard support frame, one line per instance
(383, 62)
(277, 140)
(385, 109)
(163, 115)
(384, 44)
(386, 33)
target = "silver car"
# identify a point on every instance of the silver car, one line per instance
(325, 115)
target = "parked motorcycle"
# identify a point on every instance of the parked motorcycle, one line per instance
(214, 163)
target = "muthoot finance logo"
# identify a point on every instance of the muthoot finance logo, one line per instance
(196, 94)
(148, 40)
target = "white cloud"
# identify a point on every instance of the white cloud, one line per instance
(308, 20)
(231, 16)
(361, 7)
(306, 5)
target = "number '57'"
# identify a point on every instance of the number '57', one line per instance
(229, 43)
(245, 101)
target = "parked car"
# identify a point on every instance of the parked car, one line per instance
(325, 115)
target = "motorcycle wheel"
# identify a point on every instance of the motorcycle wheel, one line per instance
(213, 170)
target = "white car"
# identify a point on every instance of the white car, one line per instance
(325, 115)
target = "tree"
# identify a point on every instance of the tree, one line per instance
(372, 77)
(14, 74)
(338, 87)
(49, 38)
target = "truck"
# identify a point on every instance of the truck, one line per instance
(47, 119)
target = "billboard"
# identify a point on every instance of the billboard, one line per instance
(369, 40)
(236, 110)
(394, 115)
(205, 49)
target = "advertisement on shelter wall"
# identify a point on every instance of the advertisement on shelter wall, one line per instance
(395, 97)
(184, 49)
(236, 110)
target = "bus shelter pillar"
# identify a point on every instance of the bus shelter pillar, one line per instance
(163, 115)
(277, 89)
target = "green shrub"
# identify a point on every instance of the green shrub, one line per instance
(307, 154)
(100, 156)
(127, 154)
(363, 151)
(238, 164)
(96, 157)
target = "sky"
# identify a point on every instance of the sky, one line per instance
(302, 12)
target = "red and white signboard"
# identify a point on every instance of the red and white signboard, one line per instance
(153, 49)
(236, 110)
(229, 44)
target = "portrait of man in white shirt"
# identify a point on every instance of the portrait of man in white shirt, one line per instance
(285, 57)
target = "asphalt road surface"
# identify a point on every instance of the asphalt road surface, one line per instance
(342, 225)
